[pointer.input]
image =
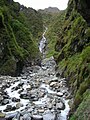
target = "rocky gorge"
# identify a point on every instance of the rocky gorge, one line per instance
(38, 94)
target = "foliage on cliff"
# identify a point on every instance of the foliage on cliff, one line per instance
(73, 54)
(19, 29)
(54, 27)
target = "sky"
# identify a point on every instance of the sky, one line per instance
(41, 4)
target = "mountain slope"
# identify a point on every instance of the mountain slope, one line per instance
(50, 10)
(19, 29)
(73, 55)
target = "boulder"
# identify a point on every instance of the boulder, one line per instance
(5, 101)
(2, 115)
(49, 116)
(60, 106)
(18, 105)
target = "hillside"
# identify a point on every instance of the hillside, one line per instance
(70, 35)
(20, 27)
(49, 10)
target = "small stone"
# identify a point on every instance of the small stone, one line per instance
(18, 105)
(60, 106)
(5, 101)
(52, 84)
(55, 79)
(50, 106)
(41, 110)
(24, 95)
(15, 99)
(37, 117)
(59, 94)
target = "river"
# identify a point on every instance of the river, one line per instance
(38, 94)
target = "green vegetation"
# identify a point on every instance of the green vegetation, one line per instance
(54, 28)
(71, 33)
(68, 38)
(20, 28)
(83, 111)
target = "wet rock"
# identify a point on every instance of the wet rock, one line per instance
(50, 106)
(18, 105)
(30, 88)
(41, 94)
(32, 96)
(17, 116)
(1, 99)
(10, 116)
(55, 79)
(9, 108)
(53, 84)
(5, 101)
(2, 115)
(41, 110)
(24, 95)
(37, 117)
(59, 94)
(20, 91)
(49, 116)
(15, 99)
(6, 96)
(21, 84)
(27, 116)
(60, 106)
(24, 77)
(57, 74)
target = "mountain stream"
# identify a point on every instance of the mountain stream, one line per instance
(38, 94)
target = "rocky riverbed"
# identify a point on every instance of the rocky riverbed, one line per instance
(37, 94)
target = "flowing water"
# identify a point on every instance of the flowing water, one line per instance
(37, 94)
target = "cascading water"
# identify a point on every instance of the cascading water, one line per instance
(37, 94)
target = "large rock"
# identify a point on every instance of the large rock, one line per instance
(2, 115)
(10, 116)
(10, 108)
(60, 106)
(49, 116)
(5, 101)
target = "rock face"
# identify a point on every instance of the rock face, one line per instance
(73, 47)
(83, 8)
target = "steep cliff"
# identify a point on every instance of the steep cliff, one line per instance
(73, 54)
(20, 27)
(73, 46)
